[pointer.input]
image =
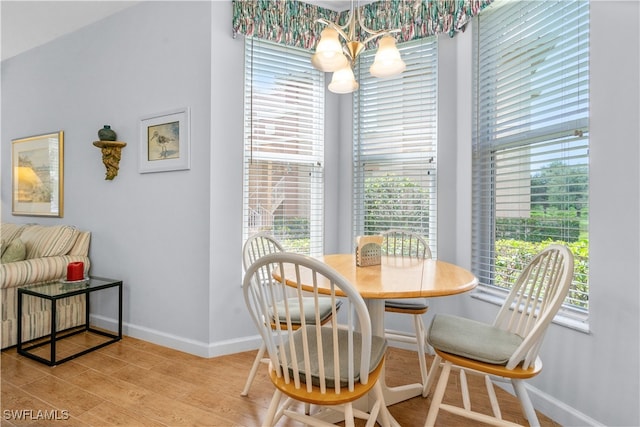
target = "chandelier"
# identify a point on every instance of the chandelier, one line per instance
(332, 56)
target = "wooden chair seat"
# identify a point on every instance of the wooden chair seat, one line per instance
(488, 368)
(316, 397)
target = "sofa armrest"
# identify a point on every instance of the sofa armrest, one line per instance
(81, 246)
(38, 270)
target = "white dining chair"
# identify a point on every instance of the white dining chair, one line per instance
(507, 349)
(255, 247)
(330, 365)
(404, 243)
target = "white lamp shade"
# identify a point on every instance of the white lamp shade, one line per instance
(329, 56)
(387, 62)
(343, 81)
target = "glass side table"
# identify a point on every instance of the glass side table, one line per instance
(36, 349)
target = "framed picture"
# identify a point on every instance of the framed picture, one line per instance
(164, 142)
(37, 175)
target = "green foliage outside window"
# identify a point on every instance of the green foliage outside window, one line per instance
(395, 202)
(538, 229)
(293, 233)
(291, 226)
(299, 246)
(560, 188)
(559, 214)
(512, 257)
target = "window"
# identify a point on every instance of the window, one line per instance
(395, 145)
(531, 140)
(283, 146)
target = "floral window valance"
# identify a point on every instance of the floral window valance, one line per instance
(292, 22)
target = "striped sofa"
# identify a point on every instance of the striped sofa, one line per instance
(47, 250)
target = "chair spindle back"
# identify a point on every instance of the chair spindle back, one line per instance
(311, 348)
(535, 299)
(405, 243)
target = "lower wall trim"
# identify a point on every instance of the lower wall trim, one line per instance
(198, 348)
(559, 411)
(553, 408)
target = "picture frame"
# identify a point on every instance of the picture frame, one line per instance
(37, 177)
(165, 142)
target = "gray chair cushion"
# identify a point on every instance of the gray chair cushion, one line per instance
(472, 339)
(324, 306)
(378, 348)
(407, 304)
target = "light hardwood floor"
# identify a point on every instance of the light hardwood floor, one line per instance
(136, 383)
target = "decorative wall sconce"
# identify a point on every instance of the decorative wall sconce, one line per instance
(111, 151)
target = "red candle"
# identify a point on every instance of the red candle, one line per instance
(75, 271)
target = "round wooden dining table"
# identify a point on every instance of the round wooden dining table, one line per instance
(399, 277)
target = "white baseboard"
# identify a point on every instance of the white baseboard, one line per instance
(175, 342)
(559, 411)
(553, 408)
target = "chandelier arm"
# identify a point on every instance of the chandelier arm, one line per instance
(379, 34)
(361, 22)
(373, 34)
(335, 26)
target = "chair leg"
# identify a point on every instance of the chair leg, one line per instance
(348, 415)
(495, 406)
(464, 388)
(254, 370)
(421, 339)
(527, 406)
(433, 371)
(269, 419)
(438, 395)
(384, 413)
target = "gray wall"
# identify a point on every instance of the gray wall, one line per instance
(175, 237)
(150, 230)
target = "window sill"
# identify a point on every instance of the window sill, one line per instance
(565, 317)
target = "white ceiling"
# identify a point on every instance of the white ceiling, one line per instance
(28, 24)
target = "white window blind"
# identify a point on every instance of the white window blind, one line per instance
(283, 146)
(395, 139)
(531, 140)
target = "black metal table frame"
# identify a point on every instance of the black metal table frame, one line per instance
(59, 335)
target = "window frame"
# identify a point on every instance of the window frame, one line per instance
(418, 85)
(572, 127)
(301, 149)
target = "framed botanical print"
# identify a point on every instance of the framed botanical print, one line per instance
(37, 164)
(164, 142)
